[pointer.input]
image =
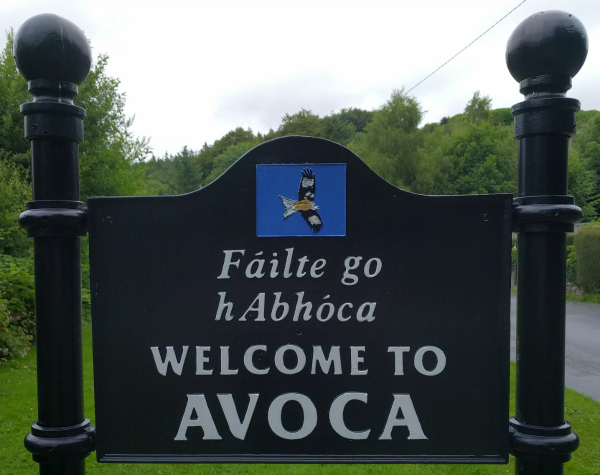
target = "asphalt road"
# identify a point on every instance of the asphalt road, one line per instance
(582, 358)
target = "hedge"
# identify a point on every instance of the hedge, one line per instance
(17, 306)
(587, 249)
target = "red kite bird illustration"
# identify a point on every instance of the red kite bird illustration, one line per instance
(306, 202)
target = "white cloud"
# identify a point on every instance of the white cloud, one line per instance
(194, 70)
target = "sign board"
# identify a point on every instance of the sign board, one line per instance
(301, 309)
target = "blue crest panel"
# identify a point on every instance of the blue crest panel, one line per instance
(301, 200)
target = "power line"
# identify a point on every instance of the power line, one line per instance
(427, 77)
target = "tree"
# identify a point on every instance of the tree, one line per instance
(301, 123)
(341, 127)
(13, 93)
(478, 108)
(189, 170)
(391, 140)
(205, 162)
(461, 156)
(501, 116)
(111, 158)
(227, 158)
(109, 148)
(336, 129)
(233, 137)
(582, 181)
(359, 118)
(185, 174)
(15, 191)
(584, 164)
(483, 161)
(434, 165)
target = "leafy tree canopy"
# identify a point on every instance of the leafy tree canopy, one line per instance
(111, 158)
(15, 191)
(478, 108)
(109, 148)
(391, 140)
(301, 123)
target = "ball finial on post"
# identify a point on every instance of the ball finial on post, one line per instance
(55, 57)
(546, 50)
(50, 47)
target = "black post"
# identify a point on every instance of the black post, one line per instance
(54, 56)
(544, 52)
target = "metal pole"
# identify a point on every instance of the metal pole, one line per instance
(544, 52)
(54, 56)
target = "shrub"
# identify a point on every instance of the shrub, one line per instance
(587, 248)
(17, 306)
(86, 299)
(15, 191)
(513, 257)
(571, 263)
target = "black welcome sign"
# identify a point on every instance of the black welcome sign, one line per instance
(301, 309)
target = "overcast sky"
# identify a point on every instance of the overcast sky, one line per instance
(193, 70)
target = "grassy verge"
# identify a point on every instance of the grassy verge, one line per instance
(18, 410)
(593, 298)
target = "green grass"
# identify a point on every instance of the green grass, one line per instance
(18, 409)
(593, 298)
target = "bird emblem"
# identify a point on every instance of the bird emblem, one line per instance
(306, 202)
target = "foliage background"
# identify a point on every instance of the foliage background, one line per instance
(111, 163)
(471, 152)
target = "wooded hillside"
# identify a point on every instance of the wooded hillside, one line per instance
(472, 152)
